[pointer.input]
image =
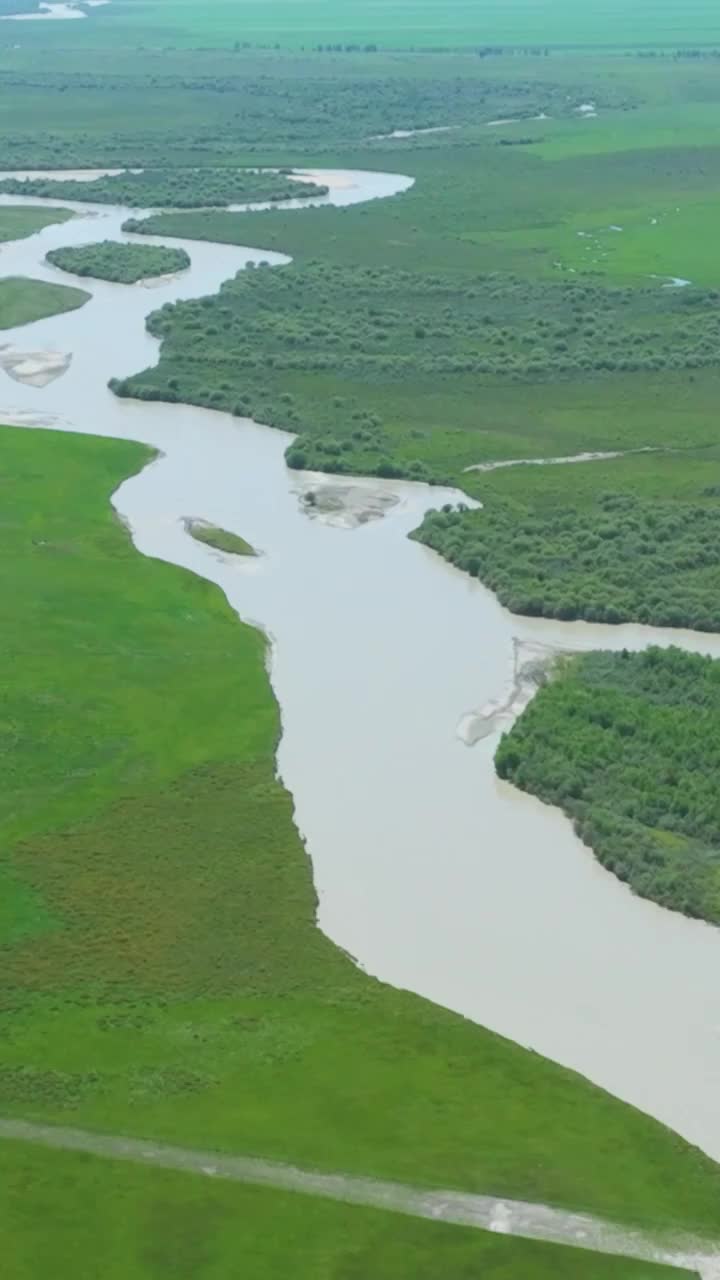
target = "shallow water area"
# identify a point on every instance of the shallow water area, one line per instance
(46, 12)
(430, 871)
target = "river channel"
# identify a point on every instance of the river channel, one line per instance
(433, 874)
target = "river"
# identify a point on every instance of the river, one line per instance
(431, 872)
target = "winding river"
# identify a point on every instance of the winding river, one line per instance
(431, 872)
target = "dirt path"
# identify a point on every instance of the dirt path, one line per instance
(511, 1217)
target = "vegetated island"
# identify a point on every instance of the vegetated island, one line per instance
(23, 300)
(171, 188)
(17, 222)
(221, 539)
(628, 745)
(118, 262)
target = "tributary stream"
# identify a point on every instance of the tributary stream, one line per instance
(431, 872)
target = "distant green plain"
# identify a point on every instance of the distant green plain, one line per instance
(402, 23)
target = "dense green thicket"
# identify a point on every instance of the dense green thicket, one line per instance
(382, 328)
(123, 263)
(169, 188)
(612, 557)
(629, 746)
(163, 974)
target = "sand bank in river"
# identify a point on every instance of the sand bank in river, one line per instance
(34, 368)
(531, 663)
(344, 505)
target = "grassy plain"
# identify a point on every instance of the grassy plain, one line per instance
(16, 222)
(162, 972)
(23, 300)
(151, 1224)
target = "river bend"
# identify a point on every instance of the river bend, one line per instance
(435, 875)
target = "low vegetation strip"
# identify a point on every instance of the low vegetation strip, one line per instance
(169, 188)
(23, 300)
(122, 263)
(163, 975)
(528, 1221)
(628, 744)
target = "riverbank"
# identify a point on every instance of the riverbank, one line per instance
(156, 1013)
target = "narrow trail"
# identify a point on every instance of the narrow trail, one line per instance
(509, 1217)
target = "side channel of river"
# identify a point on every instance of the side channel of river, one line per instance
(431, 872)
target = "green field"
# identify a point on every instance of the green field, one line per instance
(23, 300)
(162, 972)
(627, 744)
(150, 1224)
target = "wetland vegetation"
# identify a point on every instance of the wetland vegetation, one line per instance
(168, 188)
(628, 744)
(123, 263)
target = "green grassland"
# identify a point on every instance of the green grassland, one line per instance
(23, 300)
(162, 972)
(627, 744)
(397, 23)
(153, 1224)
(119, 262)
(16, 222)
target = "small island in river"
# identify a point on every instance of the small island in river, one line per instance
(221, 539)
(120, 263)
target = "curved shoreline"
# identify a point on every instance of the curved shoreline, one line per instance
(436, 876)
